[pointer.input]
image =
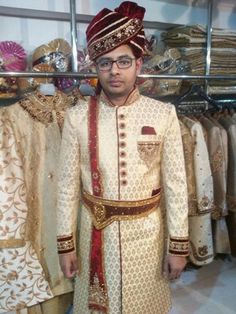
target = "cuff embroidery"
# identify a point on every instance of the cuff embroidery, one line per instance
(179, 246)
(65, 244)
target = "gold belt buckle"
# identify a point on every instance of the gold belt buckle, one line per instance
(100, 213)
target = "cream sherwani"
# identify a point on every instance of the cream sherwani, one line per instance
(219, 173)
(133, 165)
(229, 124)
(36, 122)
(22, 279)
(200, 232)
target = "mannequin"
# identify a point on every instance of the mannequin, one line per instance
(35, 123)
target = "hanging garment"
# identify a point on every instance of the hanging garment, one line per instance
(200, 230)
(131, 142)
(228, 123)
(37, 121)
(218, 168)
(22, 279)
(188, 145)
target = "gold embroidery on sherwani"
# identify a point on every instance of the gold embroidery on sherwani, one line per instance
(201, 253)
(22, 280)
(38, 144)
(65, 244)
(97, 295)
(42, 107)
(104, 212)
(217, 160)
(148, 151)
(200, 229)
(188, 145)
(179, 246)
(205, 205)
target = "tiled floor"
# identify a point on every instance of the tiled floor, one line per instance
(208, 290)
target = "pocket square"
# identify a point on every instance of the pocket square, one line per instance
(148, 130)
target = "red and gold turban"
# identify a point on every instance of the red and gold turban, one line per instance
(111, 29)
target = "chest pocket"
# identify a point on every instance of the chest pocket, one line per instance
(148, 149)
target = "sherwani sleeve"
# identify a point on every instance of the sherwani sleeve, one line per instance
(68, 185)
(200, 230)
(175, 187)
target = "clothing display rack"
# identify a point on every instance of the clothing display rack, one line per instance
(74, 18)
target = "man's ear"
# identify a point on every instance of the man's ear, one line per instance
(139, 64)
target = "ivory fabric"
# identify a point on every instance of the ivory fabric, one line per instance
(133, 165)
(36, 123)
(191, 42)
(22, 279)
(200, 232)
(219, 173)
(229, 124)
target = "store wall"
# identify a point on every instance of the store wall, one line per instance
(32, 32)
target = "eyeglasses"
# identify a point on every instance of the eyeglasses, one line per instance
(122, 63)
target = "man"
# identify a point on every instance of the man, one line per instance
(120, 153)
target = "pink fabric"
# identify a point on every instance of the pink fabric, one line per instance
(12, 56)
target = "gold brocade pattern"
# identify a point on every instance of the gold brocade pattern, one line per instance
(47, 109)
(181, 246)
(22, 280)
(200, 229)
(188, 145)
(201, 246)
(205, 204)
(148, 151)
(65, 244)
(103, 212)
(115, 38)
(97, 295)
(38, 143)
(133, 249)
(217, 160)
(201, 253)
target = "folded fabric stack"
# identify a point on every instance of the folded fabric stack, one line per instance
(160, 61)
(191, 42)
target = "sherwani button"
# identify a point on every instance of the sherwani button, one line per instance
(122, 135)
(121, 116)
(122, 144)
(122, 154)
(122, 125)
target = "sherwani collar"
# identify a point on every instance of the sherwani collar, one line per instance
(132, 97)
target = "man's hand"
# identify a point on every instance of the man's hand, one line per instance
(69, 264)
(174, 266)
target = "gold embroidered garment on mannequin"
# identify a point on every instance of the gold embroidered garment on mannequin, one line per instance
(139, 151)
(22, 280)
(36, 122)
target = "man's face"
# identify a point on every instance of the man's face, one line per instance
(118, 79)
